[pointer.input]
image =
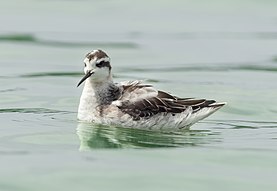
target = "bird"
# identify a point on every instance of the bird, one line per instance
(134, 104)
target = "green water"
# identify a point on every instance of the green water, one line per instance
(223, 50)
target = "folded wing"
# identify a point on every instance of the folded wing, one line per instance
(143, 101)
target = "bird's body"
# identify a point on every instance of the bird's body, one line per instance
(134, 104)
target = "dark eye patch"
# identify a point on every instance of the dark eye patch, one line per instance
(100, 64)
(103, 64)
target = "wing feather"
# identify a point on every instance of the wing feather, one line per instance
(143, 101)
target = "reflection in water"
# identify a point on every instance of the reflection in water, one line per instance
(99, 136)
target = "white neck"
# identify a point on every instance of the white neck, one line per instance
(92, 97)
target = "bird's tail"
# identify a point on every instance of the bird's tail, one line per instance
(202, 113)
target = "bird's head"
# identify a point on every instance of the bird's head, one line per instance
(97, 67)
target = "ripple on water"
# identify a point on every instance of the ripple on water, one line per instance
(14, 152)
(242, 124)
(31, 110)
(30, 38)
(11, 90)
(215, 67)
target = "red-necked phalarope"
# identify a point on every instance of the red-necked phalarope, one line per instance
(134, 104)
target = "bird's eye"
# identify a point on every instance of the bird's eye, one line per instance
(100, 64)
(85, 64)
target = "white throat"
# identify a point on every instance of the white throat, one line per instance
(94, 95)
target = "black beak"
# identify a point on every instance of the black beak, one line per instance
(85, 77)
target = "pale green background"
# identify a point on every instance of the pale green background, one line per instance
(223, 50)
